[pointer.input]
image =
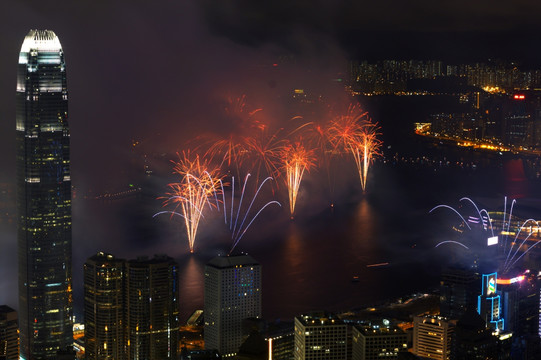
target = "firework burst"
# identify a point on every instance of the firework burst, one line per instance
(357, 134)
(296, 159)
(366, 149)
(317, 136)
(496, 230)
(232, 147)
(344, 131)
(265, 153)
(198, 184)
(240, 216)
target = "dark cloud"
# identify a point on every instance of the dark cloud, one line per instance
(461, 30)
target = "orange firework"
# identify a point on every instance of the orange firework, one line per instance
(355, 133)
(367, 148)
(314, 134)
(232, 145)
(345, 130)
(197, 185)
(296, 159)
(265, 152)
(318, 136)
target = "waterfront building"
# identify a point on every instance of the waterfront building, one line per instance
(320, 336)
(9, 338)
(43, 198)
(104, 308)
(518, 120)
(432, 337)
(151, 300)
(232, 294)
(377, 341)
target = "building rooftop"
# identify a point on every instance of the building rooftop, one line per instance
(42, 40)
(369, 330)
(319, 318)
(4, 309)
(103, 258)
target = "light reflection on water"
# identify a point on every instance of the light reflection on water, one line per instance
(191, 279)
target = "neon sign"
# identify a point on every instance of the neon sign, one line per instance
(491, 288)
(510, 281)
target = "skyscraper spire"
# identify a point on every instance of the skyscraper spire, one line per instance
(43, 198)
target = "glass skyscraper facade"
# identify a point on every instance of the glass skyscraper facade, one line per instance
(43, 198)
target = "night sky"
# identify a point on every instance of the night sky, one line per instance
(163, 69)
(137, 67)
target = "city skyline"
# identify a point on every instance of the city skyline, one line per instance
(160, 82)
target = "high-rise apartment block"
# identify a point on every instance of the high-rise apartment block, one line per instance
(104, 307)
(131, 308)
(378, 341)
(151, 301)
(432, 337)
(232, 294)
(320, 336)
(43, 198)
(9, 337)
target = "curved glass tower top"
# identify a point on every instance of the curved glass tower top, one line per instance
(41, 40)
(43, 198)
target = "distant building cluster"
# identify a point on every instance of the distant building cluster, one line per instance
(502, 122)
(399, 76)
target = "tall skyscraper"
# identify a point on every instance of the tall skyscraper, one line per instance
(43, 198)
(232, 294)
(152, 319)
(104, 307)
